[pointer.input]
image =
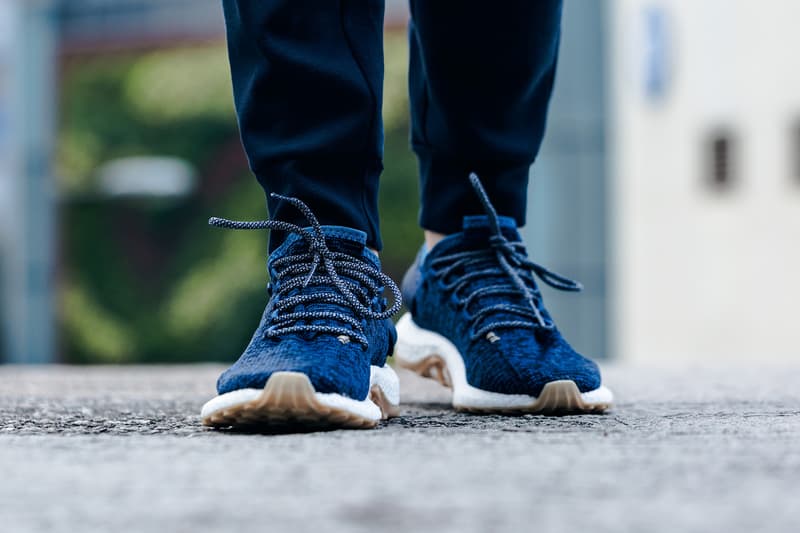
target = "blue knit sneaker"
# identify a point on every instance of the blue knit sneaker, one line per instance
(477, 324)
(318, 357)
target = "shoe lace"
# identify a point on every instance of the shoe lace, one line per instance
(506, 262)
(338, 279)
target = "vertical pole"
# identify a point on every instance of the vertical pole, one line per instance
(27, 192)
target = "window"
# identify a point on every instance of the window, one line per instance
(795, 152)
(721, 160)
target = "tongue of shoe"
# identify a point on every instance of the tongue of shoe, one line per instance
(337, 239)
(477, 229)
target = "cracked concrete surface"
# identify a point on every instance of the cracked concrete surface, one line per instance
(121, 449)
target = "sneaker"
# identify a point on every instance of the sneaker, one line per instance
(477, 323)
(318, 357)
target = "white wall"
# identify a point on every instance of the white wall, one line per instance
(699, 273)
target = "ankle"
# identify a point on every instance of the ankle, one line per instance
(432, 238)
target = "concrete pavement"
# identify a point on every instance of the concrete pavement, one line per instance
(121, 449)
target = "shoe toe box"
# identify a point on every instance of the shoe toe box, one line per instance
(523, 363)
(330, 366)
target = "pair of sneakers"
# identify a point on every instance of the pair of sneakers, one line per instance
(476, 322)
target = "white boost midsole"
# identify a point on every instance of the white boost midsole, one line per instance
(384, 377)
(415, 344)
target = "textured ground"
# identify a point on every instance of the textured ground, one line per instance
(120, 449)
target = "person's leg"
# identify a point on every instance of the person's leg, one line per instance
(308, 83)
(307, 80)
(480, 80)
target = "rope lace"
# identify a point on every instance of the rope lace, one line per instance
(505, 262)
(337, 278)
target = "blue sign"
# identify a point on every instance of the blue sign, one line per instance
(656, 52)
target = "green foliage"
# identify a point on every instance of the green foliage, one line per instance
(184, 84)
(399, 186)
(147, 280)
(106, 112)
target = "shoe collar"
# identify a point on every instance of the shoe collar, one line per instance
(338, 238)
(475, 233)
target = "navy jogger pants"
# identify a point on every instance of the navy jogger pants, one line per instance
(307, 80)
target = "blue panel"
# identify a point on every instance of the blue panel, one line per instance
(566, 227)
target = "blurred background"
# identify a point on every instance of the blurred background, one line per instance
(668, 183)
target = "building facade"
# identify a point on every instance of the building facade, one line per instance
(704, 212)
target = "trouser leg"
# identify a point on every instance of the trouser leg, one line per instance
(480, 79)
(307, 81)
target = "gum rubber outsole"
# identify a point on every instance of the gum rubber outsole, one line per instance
(557, 397)
(288, 400)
